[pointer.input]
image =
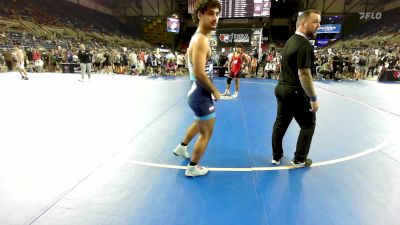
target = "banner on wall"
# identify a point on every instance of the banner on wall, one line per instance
(329, 28)
(322, 42)
(231, 37)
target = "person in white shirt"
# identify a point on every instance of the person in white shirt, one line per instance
(20, 66)
(180, 61)
(133, 59)
(39, 65)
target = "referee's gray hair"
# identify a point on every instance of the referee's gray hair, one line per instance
(305, 15)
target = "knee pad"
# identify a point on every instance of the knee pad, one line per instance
(229, 80)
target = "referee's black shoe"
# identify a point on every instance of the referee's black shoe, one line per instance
(307, 163)
(276, 161)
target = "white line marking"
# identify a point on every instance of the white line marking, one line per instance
(316, 164)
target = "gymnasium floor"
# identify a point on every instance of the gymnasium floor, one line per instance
(100, 153)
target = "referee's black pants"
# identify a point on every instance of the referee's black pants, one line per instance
(293, 103)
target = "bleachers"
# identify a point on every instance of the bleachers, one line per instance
(389, 23)
(48, 46)
(60, 19)
(373, 32)
(15, 36)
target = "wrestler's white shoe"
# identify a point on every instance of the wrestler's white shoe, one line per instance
(226, 93)
(235, 95)
(194, 171)
(182, 151)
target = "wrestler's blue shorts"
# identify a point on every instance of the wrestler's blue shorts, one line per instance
(200, 101)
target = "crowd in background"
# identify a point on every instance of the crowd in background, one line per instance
(356, 64)
(113, 48)
(105, 60)
(330, 64)
(59, 13)
(335, 64)
(49, 53)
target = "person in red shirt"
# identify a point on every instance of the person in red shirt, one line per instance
(238, 63)
(171, 67)
(36, 55)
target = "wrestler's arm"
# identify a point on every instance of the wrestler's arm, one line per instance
(229, 64)
(199, 58)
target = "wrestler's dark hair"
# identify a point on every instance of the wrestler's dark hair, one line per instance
(202, 6)
(238, 45)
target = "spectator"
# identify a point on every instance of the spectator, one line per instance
(8, 59)
(39, 65)
(85, 58)
(2, 62)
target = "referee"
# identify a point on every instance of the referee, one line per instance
(295, 92)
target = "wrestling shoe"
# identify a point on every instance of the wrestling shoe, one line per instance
(226, 93)
(194, 171)
(182, 151)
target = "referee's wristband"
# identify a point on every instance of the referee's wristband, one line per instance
(313, 98)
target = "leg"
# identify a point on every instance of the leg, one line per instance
(228, 86)
(284, 116)
(182, 148)
(22, 72)
(19, 71)
(364, 72)
(25, 73)
(89, 70)
(236, 94)
(257, 69)
(228, 83)
(357, 73)
(369, 69)
(191, 131)
(237, 84)
(205, 129)
(306, 121)
(83, 70)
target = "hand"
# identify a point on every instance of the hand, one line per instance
(314, 106)
(216, 96)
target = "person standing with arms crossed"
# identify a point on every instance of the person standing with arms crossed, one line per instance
(295, 93)
(206, 15)
(20, 66)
